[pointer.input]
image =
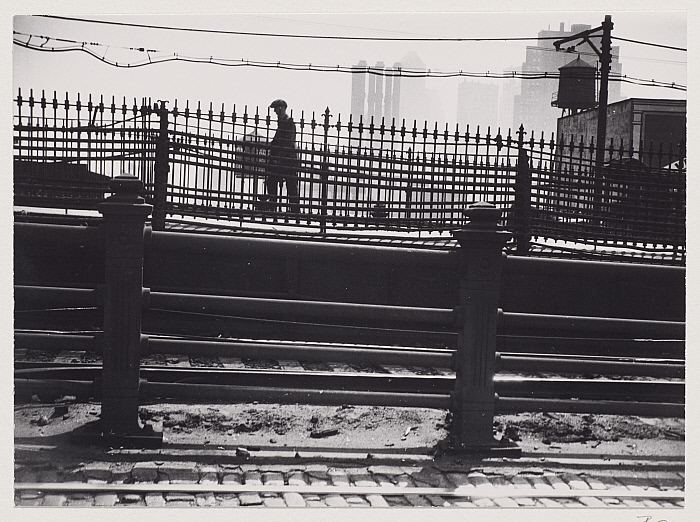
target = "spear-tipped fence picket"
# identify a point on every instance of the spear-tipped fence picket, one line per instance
(203, 162)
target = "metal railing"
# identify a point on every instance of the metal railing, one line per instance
(350, 174)
(137, 321)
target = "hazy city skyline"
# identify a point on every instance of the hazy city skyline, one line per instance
(306, 90)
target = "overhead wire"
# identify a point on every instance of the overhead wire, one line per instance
(333, 37)
(396, 72)
(539, 48)
(613, 56)
(289, 35)
(648, 43)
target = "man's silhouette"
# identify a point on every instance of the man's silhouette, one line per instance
(283, 161)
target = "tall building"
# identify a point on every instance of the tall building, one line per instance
(393, 96)
(533, 106)
(375, 95)
(375, 100)
(359, 86)
(396, 91)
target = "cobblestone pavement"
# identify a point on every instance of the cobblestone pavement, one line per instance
(200, 478)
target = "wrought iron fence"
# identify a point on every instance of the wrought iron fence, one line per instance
(350, 174)
(65, 152)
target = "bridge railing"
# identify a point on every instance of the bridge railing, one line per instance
(206, 162)
(464, 335)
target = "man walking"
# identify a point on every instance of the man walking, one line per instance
(283, 160)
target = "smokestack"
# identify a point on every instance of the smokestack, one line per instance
(358, 97)
(387, 95)
(378, 104)
(396, 94)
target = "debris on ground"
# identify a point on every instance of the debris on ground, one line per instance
(319, 434)
(248, 425)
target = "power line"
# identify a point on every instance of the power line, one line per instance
(647, 43)
(398, 72)
(618, 56)
(539, 48)
(327, 37)
(288, 35)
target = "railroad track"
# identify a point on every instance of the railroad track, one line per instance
(293, 477)
(27, 359)
(236, 377)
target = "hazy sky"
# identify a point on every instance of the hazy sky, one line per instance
(75, 72)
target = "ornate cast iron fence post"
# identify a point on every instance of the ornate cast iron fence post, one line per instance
(324, 171)
(160, 188)
(124, 214)
(523, 198)
(474, 400)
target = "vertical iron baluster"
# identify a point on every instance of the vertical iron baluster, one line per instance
(416, 185)
(314, 148)
(370, 196)
(324, 171)
(339, 167)
(102, 136)
(347, 187)
(224, 170)
(248, 158)
(55, 142)
(356, 204)
(427, 174)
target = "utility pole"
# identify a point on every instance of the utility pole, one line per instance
(605, 59)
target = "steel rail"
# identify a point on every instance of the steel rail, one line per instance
(519, 388)
(511, 322)
(506, 405)
(212, 392)
(318, 380)
(519, 362)
(298, 396)
(591, 345)
(384, 348)
(599, 389)
(619, 362)
(310, 353)
(600, 358)
(300, 310)
(460, 491)
(157, 321)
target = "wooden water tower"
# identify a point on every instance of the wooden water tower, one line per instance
(576, 86)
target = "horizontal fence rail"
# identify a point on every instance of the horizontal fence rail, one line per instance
(591, 346)
(202, 162)
(592, 326)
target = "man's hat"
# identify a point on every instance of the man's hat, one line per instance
(278, 103)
